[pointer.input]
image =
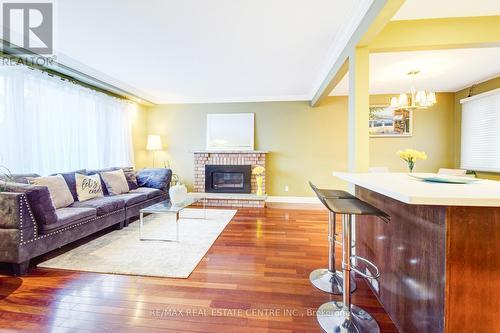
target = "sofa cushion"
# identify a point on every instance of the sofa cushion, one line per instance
(158, 178)
(39, 200)
(69, 177)
(69, 216)
(132, 198)
(150, 192)
(103, 205)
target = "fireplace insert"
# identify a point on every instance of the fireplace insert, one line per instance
(228, 178)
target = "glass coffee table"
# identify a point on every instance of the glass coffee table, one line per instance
(166, 207)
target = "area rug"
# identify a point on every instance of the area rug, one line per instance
(122, 252)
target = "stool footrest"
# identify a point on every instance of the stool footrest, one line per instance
(367, 263)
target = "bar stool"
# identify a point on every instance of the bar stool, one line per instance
(328, 279)
(343, 316)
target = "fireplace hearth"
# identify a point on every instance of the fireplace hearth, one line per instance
(228, 178)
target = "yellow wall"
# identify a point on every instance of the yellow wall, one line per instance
(480, 88)
(431, 133)
(305, 143)
(139, 136)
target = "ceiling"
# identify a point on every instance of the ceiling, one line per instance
(195, 51)
(190, 51)
(426, 9)
(440, 70)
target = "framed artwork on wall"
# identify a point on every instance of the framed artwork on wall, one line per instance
(388, 121)
(230, 131)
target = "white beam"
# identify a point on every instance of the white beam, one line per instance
(377, 16)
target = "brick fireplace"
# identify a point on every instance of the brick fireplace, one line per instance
(229, 158)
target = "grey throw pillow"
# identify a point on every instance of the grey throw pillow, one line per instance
(115, 181)
(58, 189)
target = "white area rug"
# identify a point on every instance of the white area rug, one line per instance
(121, 251)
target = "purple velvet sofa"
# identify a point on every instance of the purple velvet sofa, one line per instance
(30, 225)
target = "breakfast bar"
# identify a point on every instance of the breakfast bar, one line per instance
(439, 256)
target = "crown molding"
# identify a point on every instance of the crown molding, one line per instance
(249, 99)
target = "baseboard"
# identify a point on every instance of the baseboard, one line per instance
(294, 202)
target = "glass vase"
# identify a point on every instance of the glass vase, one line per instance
(259, 185)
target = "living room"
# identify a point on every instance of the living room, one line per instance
(249, 166)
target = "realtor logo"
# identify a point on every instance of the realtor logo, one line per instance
(28, 26)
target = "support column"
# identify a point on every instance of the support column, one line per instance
(359, 102)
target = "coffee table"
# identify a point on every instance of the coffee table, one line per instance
(166, 207)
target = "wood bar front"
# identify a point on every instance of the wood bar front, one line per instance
(440, 265)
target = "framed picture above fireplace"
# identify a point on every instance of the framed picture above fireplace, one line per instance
(230, 131)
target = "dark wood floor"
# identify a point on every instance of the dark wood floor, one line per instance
(254, 279)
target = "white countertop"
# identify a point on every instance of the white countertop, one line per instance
(409, 190)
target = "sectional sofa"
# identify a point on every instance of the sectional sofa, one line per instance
(30, 225)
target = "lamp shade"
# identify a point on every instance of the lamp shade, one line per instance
(154, 142)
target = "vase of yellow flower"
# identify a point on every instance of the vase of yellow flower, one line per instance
(410, 156)
(258, 172)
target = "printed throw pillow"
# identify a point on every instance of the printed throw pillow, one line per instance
(58, 189)
(88, 187)
(115, 181)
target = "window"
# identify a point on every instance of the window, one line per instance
(49, 125)
(481, 132)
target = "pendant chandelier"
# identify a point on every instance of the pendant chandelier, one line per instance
(414, 99)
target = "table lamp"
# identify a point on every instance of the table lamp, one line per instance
(154, 144)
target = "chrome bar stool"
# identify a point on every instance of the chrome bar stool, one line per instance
(328, 279)
(343, 316)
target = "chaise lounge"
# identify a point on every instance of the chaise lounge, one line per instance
(30, 225)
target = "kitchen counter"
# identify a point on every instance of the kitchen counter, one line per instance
(439, 255)
(402, 187)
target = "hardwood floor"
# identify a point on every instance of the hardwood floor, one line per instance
(253, 279)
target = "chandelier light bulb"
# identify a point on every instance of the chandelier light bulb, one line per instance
(431, 98)
(403, 100)
(421, 98)
(394, 102)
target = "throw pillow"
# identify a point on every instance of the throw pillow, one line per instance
(98, 171)
(58, 189)
(115, 181)
(39, 201)
(88, 187)
(69, 177)
(131, 178)
(155, 178)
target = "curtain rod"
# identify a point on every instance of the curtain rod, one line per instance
(68, 73)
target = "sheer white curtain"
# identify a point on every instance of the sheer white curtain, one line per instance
(48, 125)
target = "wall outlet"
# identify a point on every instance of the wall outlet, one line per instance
(286, 188)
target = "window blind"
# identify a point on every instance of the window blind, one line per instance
(480, 142)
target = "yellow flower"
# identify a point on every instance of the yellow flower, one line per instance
(412, 155)
(258, 171)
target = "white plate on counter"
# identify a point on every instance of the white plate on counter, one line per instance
(449, 179)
